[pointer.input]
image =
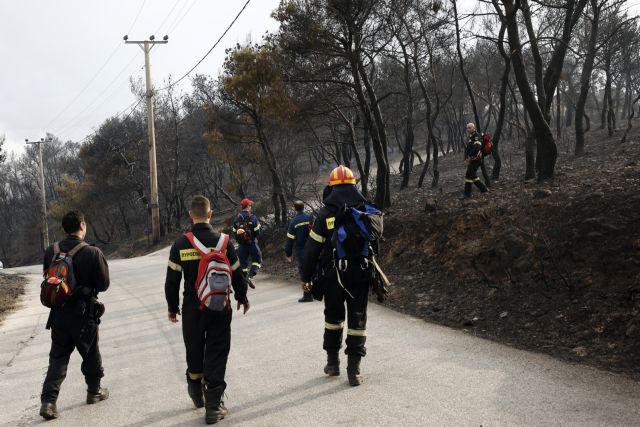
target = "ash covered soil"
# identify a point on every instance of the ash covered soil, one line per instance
(11, 288)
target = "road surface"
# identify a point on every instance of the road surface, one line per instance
(417, 374)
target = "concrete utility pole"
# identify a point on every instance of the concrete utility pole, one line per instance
(43, 193)
(146, 46)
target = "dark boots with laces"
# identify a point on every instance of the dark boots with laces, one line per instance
(353, 370)
(195, 390)
(333, 365)
(95, 393)
(48, 410)
(215, 409)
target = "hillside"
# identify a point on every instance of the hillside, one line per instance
(553, 268)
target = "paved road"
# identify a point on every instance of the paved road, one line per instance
(417, 374)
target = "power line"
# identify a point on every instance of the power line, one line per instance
(178, 21)
(210, 50)
(64, 110)
(65, 126)
(166, 17)
(102, 67)
(192, 68)
(135, 20)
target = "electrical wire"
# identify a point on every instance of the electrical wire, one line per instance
(65, 126)
(211, 49)
(188, 72)
(102, 67)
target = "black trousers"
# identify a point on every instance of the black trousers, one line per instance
(471, 177)
(335, 299)
(207, 339)
(69, 332)
(246, 251)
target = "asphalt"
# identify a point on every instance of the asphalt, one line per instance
(416, 373)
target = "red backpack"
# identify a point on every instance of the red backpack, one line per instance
(59, 281)
(213, 283)
(487, 145)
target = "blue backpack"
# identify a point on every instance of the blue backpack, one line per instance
(357, 228)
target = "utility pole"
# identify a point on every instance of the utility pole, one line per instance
(146, 46)
(43, 193)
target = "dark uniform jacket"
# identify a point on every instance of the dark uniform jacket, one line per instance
(474, 147)
(253, 225)
(184, 258)
(318, 246)
(297, 233)
(89, 268)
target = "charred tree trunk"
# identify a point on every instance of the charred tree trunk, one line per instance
(547, 151)
(462, 70)
(585, 78)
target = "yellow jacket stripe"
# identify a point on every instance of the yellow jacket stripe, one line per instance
(333, 326)
(235, 266)
(315, 236)
(291, 236)
(300, 224)
(174, 266)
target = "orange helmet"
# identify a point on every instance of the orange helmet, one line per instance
(341, 175)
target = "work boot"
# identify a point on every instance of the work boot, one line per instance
(215, 409)
(353, 370)
(96, 394)
(195, 390)
(306, 298)
(333, 365)
(48, 410)
(250, 283)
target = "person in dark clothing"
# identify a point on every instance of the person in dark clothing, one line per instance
(74, 325)
(207, 334)
(319, 254)
(246, 228)
(297, 235)
(473, 161)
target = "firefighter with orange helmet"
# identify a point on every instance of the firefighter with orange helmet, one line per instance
(319, 266)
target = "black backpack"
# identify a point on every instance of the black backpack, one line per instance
(244, 223)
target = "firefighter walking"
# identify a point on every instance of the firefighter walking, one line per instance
(246, 228)
(349, 288)
(297, 235)
(473, 161)
(206, 333)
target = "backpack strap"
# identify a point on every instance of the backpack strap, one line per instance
(77, 249)
(223, 242)
(197, 244)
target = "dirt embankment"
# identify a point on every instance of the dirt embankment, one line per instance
(553, 268)
(11, 288)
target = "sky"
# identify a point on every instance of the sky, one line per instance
(65, 67)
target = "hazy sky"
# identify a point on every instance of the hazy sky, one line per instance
(51, 51)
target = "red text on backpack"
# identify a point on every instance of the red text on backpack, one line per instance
(59, 281)
(487, 145)
(213, 283)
